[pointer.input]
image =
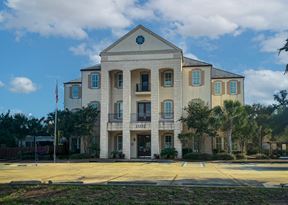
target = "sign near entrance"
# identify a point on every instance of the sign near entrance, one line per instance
(142, 125)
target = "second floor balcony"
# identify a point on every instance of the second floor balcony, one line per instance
(143, 89)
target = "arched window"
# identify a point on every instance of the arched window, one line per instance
(95, 104)
(168, 109)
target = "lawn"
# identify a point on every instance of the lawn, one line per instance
(89, 194)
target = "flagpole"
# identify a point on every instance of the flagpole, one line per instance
(55, 122)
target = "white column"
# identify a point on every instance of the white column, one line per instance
(105, 92)
(177, 109)
(154, 112)
(126, 112)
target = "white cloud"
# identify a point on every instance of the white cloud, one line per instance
(71, 18)
(260, 85)
(22, 85)
(271, 44)
(1, 84)
(189, 18)
(215, 18)
(91, 50)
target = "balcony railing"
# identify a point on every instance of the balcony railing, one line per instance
(166, 116)
(115, 117)
(141, 117)
(142, 87)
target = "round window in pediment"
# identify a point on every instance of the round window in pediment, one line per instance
(140, 40)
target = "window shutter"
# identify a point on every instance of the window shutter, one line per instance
(238, 87)
(172, 77)
(228, 87)
(223, 88)
(115, 80)
(89, 81)
(172, 106)
(162, 108)
(162, 78)
(80, 92)
(70, 91)
(115, 108)
(190, 77)
(213, 88)
(202, 77)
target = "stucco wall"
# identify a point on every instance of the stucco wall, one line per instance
(192, 92)
(88, 94)
(219, 99)
(71, 103)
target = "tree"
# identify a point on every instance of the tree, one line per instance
(200, 121)
(281, 99)
(229, 114)
(79, 123)
(245, 128)
(284, 48)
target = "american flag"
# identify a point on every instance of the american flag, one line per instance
(56, 92)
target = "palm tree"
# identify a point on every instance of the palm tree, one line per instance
(229, 114)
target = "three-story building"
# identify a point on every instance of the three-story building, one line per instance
(141, 87)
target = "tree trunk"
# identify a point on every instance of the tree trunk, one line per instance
(229, 140)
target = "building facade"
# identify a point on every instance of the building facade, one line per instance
(141, 87)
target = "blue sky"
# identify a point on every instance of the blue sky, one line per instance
(41, 41)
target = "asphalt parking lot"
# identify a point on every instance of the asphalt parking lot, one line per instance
(168, 173)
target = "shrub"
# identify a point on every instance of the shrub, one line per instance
(240, 156)
(80, 156)
(169, 153)
(197, 156)
(260, 156)
(223, 156)
(117, 155)
(186, 151)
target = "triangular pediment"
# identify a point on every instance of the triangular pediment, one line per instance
(140, 39)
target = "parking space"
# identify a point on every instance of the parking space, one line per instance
(178, 173)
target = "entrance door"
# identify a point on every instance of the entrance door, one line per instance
(144, 145)
(144, 111)
(145, 81)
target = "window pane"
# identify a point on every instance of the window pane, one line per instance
(196, 77)
(168, 141)
(168, 109)
(233, 87)
(218, 88)
(75, 91)
(120, 80)
(119, 109)
(168, 78)
(119, 143)
(95, 105)
(95, 80)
